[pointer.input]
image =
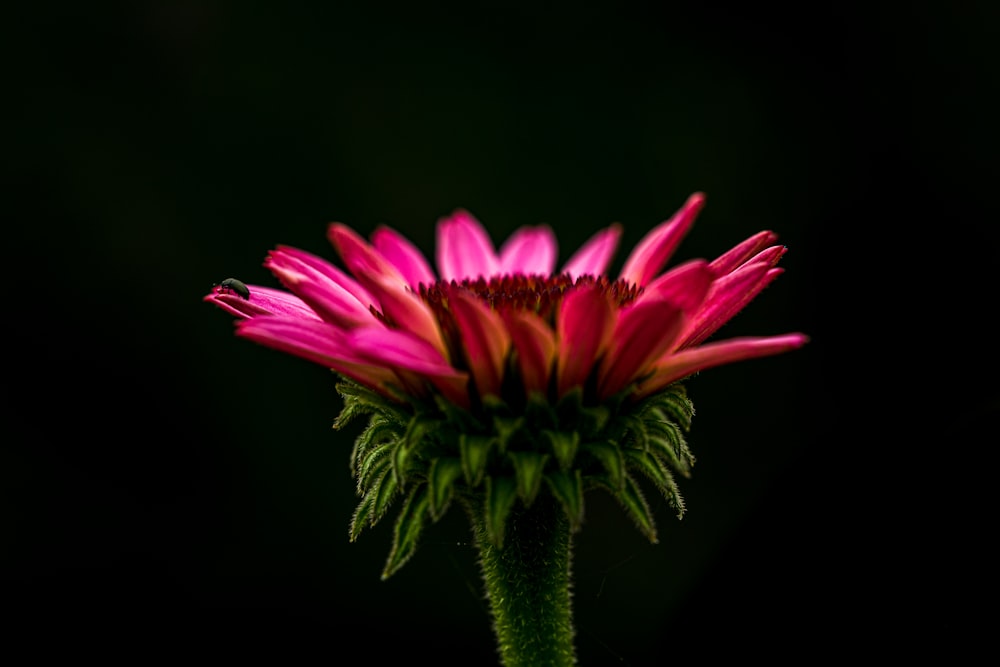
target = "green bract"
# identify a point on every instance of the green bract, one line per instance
(432, 454)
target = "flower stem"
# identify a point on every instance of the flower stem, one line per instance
(528, 585)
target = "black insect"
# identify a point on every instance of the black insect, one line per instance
(234, 286)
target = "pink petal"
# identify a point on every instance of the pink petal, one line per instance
(263, 301)
(656, 247)
(400, 350)
(315, 341)
(405, 256)
(650, 327)
(594, 256)
(535, 343)
(484, 338)
(529, 250)
(678, 365)
(727, 296)
(584, 325)
(400, 305)
(685, 286)
(728, 261)
(328, 291)
(464, 249)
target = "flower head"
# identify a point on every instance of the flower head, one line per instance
(498, 372)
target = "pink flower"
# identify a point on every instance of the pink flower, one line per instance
(505, 322)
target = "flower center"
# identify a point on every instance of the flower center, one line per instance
(536, 293)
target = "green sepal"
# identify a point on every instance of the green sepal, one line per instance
(529, 468)
(462, 420)
(501, 494)
(567, 487)
(406, 532)
(361, 518)
(411, 442)
(475, 452)
(633, 501)
(610, 457)
(506, 428)
(674, 405)
(359, 401)
(380, 431)
(372, 466)
(564, 446)
(658, 473)
(667, 441)
(539, 412)
(441, 482)
(634, 433)
(383, 492)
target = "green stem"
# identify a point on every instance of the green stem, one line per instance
(528, 585)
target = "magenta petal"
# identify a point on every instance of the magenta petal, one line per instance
(644, 332)
(316, 341)
(729, 260)
(329, 292)
(405, 256)
(727, 296)
(594, 256)
(656, 247)
(678, 365)
(535, 343)
(529, 250)
(464, 249)
(363, 261)
(584, 325)
(685, 286)
(484, 338)
(404, 309)
(400, 350)
(262, 301)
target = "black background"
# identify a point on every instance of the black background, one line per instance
(170, 490)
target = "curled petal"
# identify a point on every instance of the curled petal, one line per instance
(405, 256)
(594, 256)
(464, 249)
(332, 294)
(679, 365)
(535, 343)
(315, 341)
(484, 338)
(262, 301)
(529, 250)
(656, 247)
(584, 325)
(727, 296)
(736, 256)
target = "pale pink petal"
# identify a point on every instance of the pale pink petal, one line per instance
(464, 249)
(484, 338)
(262, 301)
(726, 297)
(650, 327)
(315, 341)
(594, 256)
(530, 250)
(729, 260)
(652, 252)
(584, 325)
(325, 292)
(679, 365)
(535, 343)
(405, 256)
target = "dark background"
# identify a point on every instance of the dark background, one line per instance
(169, 489)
